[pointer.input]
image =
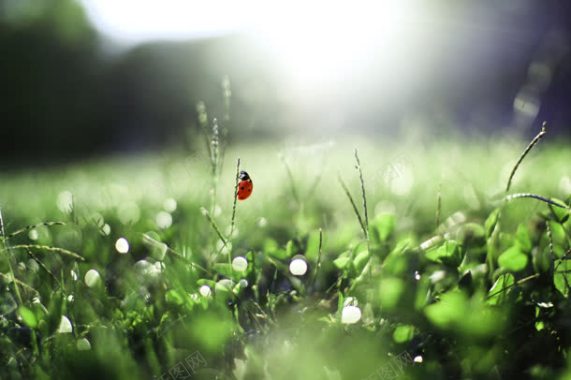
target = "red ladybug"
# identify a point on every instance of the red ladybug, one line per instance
(245, 186)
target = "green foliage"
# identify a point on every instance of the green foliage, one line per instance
(513, 259)
(485, 292)
(448, 253)
(28, 317)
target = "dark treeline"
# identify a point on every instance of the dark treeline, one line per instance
(64, 98)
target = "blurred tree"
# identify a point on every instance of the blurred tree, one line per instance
(49, 75)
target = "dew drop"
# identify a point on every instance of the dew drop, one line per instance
(239, 264)
(65, 326)
(83, 345)
(92, 278)
(350, 315)
(33, 235)
(298, 267)
(205, 291)
(122, 245)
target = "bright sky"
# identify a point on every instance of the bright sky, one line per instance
(140, 20)
(133, 21)
(316, 39)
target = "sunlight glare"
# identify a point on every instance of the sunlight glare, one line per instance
(321, 41)
(134, 21)
(317, 43)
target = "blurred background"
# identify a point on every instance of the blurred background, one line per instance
(84, 78)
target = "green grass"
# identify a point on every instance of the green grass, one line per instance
(482, 294)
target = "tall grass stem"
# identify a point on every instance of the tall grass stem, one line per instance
(529, 147)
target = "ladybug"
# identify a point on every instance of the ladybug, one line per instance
(245, 186)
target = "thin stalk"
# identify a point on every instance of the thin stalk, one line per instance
(233, 221)
(21, 283)
(363, 194)
(214, 225)
(495, 232)
(291, 181)
(43, 266)
(534, 196)
(313, 186)
(17, 282)
(176, 254)
(520, 282)
(47, 248)
(355, 209)
(9, 258)
(319, 251)
(32, 226)
(235, 202)
(530, 146)
(214, 162)
(550, 240)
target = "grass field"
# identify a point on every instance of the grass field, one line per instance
(133, 268)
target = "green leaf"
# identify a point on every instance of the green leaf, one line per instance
(539, 325)
(343, 260)
(385, 225)
(403, 333)
(559, 238)
(500, 288)
(271, 248)
(211, 331)
(225, 269)
(360, 260)
(560, 214)
(448, 311)
(279, 254)
(28, 317)
(522, 238)
(55, 311)
(542, 260)
(312, 250)
(447, 253)
(390, 291)
(173, 297)
(290, 249)
(562, 277)
(270, 245)
(491, 222)
(481, 321)
(395, 264)
(513, 259)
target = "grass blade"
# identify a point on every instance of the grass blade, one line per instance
(213, 225)
(291, 180)
(355, 209)
(534, 196)
(47, 248)
(32, 226)
(533, 142)
(363, 194)
(233, 220)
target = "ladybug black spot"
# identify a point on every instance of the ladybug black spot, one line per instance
(241, 187)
